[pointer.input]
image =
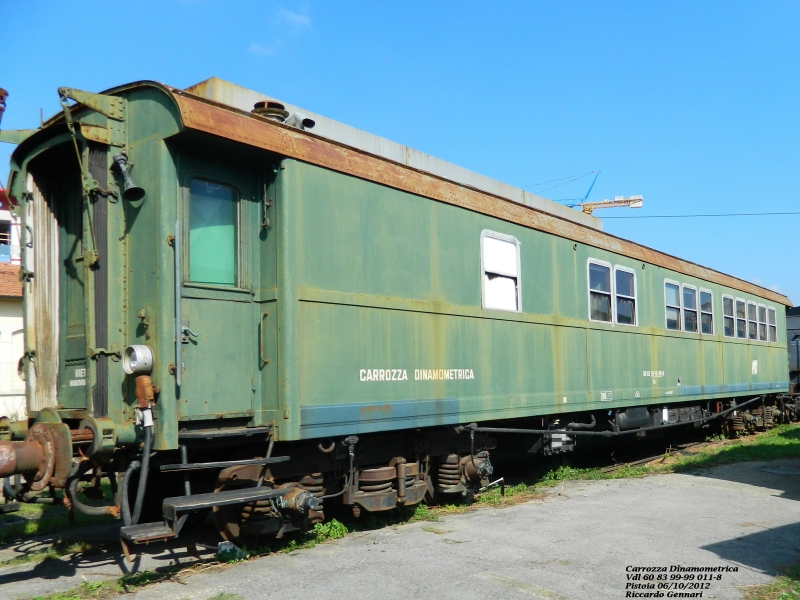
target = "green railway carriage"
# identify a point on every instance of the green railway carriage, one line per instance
(263, 283)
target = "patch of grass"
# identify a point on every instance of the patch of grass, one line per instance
(40, 519)
(56, 551)
(436, 530)
(422, 512)
(110, 588)
(785, 587)
(95, 590)
(783, 441)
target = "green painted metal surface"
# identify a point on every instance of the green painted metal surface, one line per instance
(390, 282)
(353, 307)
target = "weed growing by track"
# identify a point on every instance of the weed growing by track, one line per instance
(783, 441)
(785, 587)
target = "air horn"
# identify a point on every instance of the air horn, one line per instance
(132, 192)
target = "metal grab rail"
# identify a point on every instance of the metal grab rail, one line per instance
(176, 245)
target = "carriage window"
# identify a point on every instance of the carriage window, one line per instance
(706, 312)
(727, 316)
(212, 233)
(500, 257)
(741, 321)
(599, 292)
(672, 301)
(752, 323)
(771, 321)
(625, 292)
(689, 309)
(762, 322)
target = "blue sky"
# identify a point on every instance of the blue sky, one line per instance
(694, 105)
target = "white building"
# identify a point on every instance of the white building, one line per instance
(9, 232)
(12, 388)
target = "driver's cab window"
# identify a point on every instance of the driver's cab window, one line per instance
(213, 215)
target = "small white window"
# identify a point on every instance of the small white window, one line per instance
(600, 291)
(772, 323)
(762, 322)
(706, 312)
(625, 294)
(672, 304)
(741, 319)
(752, 321)
(728, 320)
(689, 308)
(500, 266)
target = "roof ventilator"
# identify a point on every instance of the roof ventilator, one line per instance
(300, 121)
(275, 111)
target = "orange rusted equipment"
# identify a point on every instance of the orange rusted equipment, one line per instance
(44, 458)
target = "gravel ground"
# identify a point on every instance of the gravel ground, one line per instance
(578, 543)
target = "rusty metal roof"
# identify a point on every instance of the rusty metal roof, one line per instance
(10, 285)
(235, 96)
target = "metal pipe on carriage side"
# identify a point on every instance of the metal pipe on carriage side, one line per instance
(474, 427)
(607, 433)
(176, 245)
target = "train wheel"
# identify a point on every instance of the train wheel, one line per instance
(248, 524)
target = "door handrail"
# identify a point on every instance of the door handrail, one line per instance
(261, 341)
(178, 328)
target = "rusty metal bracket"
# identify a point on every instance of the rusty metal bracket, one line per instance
(110, 106)
(90, 257)
(112, 352)
(102, 135)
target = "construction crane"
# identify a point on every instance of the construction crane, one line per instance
(588, 207)
(631, 201)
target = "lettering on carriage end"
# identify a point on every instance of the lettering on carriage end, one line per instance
(419, 374)
(80, 378)
(673, 581)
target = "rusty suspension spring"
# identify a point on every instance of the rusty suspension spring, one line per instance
(375, 485)
(448, 473)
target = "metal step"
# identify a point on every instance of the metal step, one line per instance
(173, 506)
(223, 464)
(146, 533)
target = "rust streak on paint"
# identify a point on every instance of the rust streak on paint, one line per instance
(372, 409)
(230, 123)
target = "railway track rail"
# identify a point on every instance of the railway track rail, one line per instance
(676, 450)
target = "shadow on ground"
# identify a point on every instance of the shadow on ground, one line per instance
(763, 549)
